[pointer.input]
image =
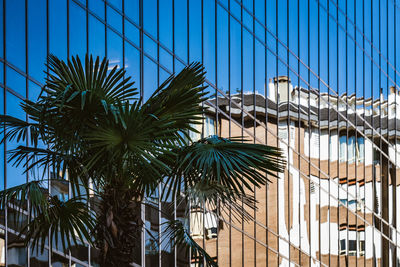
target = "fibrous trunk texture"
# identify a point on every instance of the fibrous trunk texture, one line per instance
(119, 227)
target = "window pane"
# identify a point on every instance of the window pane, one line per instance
(15, 174)
(132, 64)
(77, 31)
(114, 49)
(150, 47)
(1, 73)
(97, 7)
(40, 259)
(37, 41)
(34, 91)
(150, 78)
(116, 3)
(58, 28)
(114, 19)
(166, 25)
(16, 81)
(16, 255)
(15, 32)
(96, 37)
(1, 30)
(132, 10)
(132, 33)
(150, 17)
(181, 29)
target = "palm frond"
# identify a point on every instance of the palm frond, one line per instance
(19, 195)
(18, 130)
(70, 222)
(179, 100)
(61, 166)
(89, 82)
(178, 232)
(232, 164)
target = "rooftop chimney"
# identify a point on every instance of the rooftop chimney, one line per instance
(281, 86)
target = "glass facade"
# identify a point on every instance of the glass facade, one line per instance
(317, 78)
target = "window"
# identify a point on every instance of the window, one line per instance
(342, 250)
(58, 28)
(211, 225)
(16, 81)
(15, 32)
(209, 126)
(362, 247)
(37, 38)
(77, 31)
(203, 223)
(351, 149)
(352, 247)
(132, 10)
(196, 224)
(114, 49)
(360, 152)
(96, 37)
(352, 204)
(354, 150)
(342, 148)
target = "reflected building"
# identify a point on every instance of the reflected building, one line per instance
(318, 78)
(336, 203)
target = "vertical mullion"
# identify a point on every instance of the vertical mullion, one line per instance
(143, 214)
(319, 132)
(202, 132)
(329, 138)
(386, 188)
(123, 35)
(394, 184)
(68, 39)
(266, 91)
(141, 47)
(309, 130)
(338, 135)
(355, 130)
(230, 120)
(26, 114)
(288, 122)
(68, 55)
(141, 28)
(299, 122)
(347, 138)
(364, 135)
(159, 185)
(242, 106)
(381, 178)
(254, 130)
(47, 74)
(4, 112)
(277, 112)
(216, 97)
(372, 136)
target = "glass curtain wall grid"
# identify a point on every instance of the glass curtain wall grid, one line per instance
(318, 78)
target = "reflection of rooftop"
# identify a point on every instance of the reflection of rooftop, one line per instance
(310, 106)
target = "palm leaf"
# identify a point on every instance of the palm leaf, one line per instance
(71, 222)
(227, 162)
(177, 231)
(179, 99)
(19, 130)
(59, 164)
(19, 195)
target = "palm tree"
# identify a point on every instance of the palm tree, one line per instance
(89, 129)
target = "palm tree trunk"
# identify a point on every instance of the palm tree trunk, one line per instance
(119, 231)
